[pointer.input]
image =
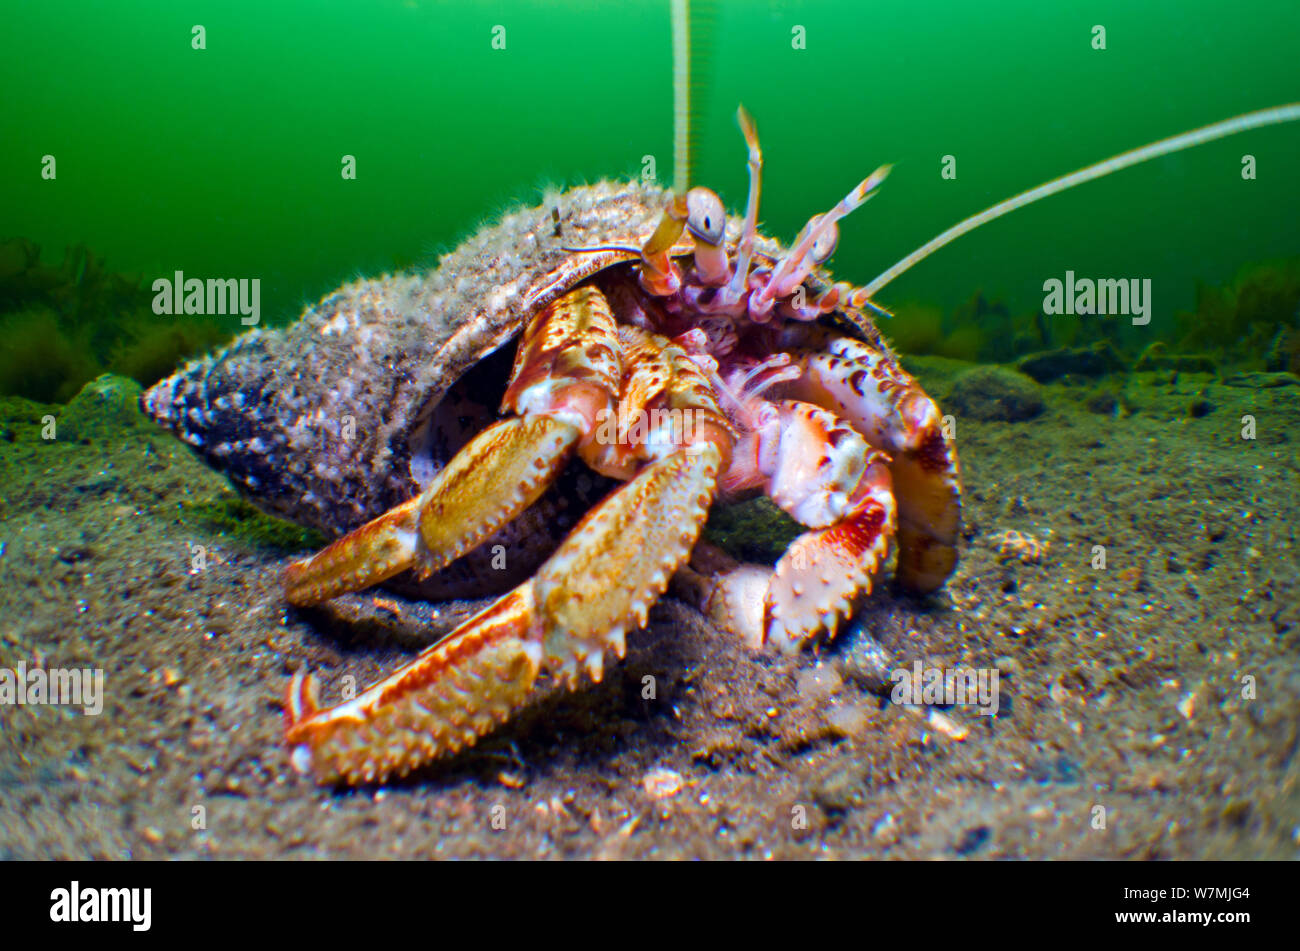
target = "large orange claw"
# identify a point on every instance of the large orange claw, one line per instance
(598, 584)
(500, 473)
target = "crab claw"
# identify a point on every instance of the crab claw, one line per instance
(815, 582)
(813, 465)
(599, 584)
(867, 387)
(828, 478)
(822, 571)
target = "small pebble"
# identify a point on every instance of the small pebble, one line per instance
(819, 683)
(662, 783)
(866, 660)
(946, 725)
(886, 829)
(847, 719)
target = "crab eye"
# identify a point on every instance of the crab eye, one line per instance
(705, 217)
(824, 246)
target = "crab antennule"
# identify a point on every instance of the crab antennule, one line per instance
(736, 287)
(796, 265)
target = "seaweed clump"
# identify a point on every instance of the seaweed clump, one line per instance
(983, 329)
(231, 515)
(1254, 320)
(65, 325)
(1251, 322)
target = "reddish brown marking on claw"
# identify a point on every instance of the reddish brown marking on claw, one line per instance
(441, 702)
(856, 536)
(932, 453)
(509, 617)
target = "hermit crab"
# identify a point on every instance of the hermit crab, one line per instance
(666, 358)
(659, 344)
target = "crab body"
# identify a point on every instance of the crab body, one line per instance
(682, 358)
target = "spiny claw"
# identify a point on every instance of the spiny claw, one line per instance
(822, 571)
(815, 467)
(500, 473)
(598, 584)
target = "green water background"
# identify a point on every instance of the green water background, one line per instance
(225, 162)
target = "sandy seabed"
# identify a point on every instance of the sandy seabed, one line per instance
(1147, 710)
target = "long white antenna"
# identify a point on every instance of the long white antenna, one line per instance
(681, 96)
(1218, 130)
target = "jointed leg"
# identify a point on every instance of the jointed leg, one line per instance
(567, 374)
(600, 582)
(494, 478)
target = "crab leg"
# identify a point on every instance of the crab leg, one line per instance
(498, 475)
(598, 584)
(883, 403)
(566, 375)
(814, 466)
